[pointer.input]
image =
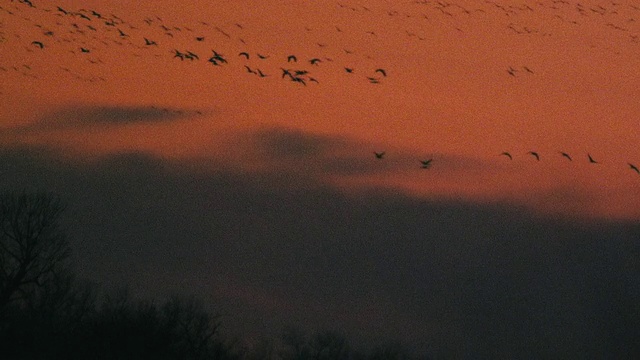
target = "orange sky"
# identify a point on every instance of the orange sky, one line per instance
(448, 94)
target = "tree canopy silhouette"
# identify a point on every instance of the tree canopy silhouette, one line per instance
(32, 247)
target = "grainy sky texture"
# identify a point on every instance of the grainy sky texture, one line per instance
(250, 179)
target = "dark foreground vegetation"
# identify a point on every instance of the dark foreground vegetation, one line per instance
(47, 313)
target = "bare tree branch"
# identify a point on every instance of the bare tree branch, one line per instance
(31, 244)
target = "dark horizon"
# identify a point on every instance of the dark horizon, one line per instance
(445, 278)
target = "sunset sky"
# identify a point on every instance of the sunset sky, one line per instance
(266, 194)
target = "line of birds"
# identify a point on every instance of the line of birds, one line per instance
(426, 164)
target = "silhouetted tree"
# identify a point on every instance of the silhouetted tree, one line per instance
(326, 345)
(294, 345)
(390, 351)
(136, 329)
(329, 346)
(32, 247)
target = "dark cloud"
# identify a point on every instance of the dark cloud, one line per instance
(453, 279)
(87, 117)
(318, 154)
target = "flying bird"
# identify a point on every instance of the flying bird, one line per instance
(315, 61)
(149, 42)
(200, 38)
(566, 155)
(286, 72)
(379, 155)
(634, 168)
(426, 163)
(178, 54)
(591, 160)
(38, 44)
(84, 50)
(217, 57)
(245, 54)
(291, 58)
(381, 71)
(191, 56)
(262, 56)
(349, 70)
(299, 80)
(535, 154)
(507, 155)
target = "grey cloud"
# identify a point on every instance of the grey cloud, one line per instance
(319, 154)
(87, 117)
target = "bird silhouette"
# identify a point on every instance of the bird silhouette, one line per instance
(178, 54)
(566, 155)
(382, 71)
(379, 155)
(426, 163)
(591, 160)
(217, 57)
(286, 72)
(348, 70)
(314, 61)
(298, 80)
(38, 44)
(200, 38)
(535, 154)
(263, 56)
(149, 42)
(507, 155)
(245, 54)
(249, 70)
(291, 58)
(191, 56)
(634, 168)
(84, 50)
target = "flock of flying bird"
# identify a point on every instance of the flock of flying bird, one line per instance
(426, 164)
(89, 31)
(93, 31)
